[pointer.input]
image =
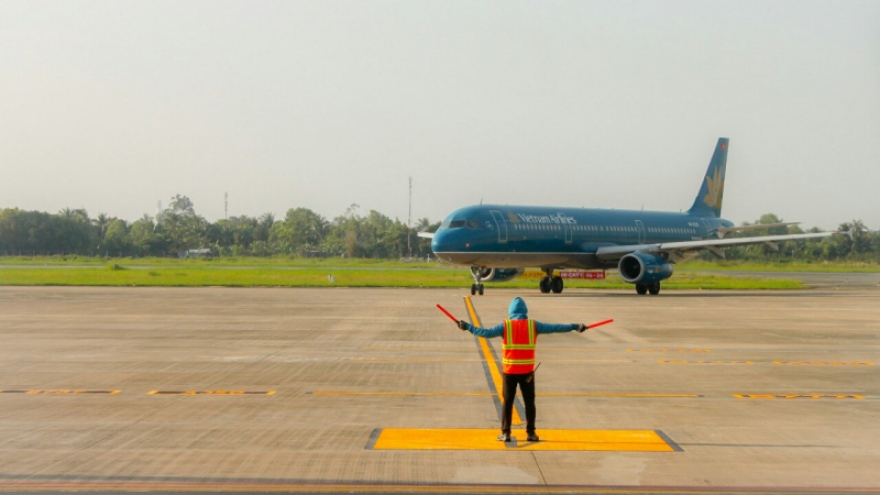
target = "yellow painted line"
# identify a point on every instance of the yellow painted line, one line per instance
(60, 392)
(551, 440)
(473, 360)
(488, 394)
(208, 392)
(684, 361)
(417, 349)
(826, 363)
(668, 350)
(459, 349)
(647, 396)
(798, 396)
(407, 394)
(492, 364)
(416, 360)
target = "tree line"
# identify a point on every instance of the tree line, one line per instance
(178, 229)
(862, 246)
(302, 232)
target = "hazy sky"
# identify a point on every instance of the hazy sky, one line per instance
(113, 106)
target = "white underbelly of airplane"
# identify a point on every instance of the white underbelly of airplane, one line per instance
(517, 260)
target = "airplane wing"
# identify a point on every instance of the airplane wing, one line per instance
(679, 251)
(425, 235)
(723, 231)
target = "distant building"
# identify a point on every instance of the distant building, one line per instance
(196, 253)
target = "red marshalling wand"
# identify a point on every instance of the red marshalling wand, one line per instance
(447, 313)
(600, 323)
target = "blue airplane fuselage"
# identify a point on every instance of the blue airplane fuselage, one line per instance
(517, 236)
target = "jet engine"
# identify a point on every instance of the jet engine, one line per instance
(642, 268)
(496, 274)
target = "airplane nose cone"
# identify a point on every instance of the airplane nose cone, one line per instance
(443, 242)
(438, 242)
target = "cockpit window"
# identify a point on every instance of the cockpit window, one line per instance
(459, 223)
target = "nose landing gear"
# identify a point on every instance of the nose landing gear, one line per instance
(477, 287)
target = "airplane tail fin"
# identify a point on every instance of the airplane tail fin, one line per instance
(708, 201)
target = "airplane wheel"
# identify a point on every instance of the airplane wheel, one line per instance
(556, 285)
(544, 285)
(641, 289)
(473, 289)
(654, 288)
(480, 289)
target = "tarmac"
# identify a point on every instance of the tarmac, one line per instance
(375, 391)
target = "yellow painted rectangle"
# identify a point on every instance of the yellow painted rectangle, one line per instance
(483, 439)
(208, 392)
(60, 392)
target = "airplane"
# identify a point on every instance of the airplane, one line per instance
(499, 241)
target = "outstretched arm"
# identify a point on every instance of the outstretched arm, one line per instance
(488, 333)
(557, 327)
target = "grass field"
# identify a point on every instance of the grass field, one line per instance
(748, 266)
(283, 261)
(325, 274)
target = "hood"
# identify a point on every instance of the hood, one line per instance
(518, 309)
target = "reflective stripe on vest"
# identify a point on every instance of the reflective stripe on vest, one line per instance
(518, 346)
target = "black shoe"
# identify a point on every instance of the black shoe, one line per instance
(504, 437)
(533, 438)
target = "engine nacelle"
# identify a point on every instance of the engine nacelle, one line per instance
(496, 274)
(642, 268)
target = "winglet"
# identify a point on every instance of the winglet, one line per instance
(709, 199)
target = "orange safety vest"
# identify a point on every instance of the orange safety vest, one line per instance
(518, 346)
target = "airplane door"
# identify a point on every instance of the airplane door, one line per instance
(501, 223)
(567, 227)
(641, 228)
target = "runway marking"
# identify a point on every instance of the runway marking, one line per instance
(826, 363)
(200, 485)
(60, 392)
(208, 392)
(798, 396)
(459, 349)
(490, 394)
(476, 360)
(551, 440)
(416, 360)
(639, 396)
(491, 364)
(408, 394)
(683, 361)
(668, 350)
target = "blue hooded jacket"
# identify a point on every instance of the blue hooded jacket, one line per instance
(519, 311)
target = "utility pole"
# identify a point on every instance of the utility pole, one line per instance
(409, 222)
(226, 206)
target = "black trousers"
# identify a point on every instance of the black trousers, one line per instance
(526, 382)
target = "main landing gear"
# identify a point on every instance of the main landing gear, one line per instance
(550, 283)
(653, 289)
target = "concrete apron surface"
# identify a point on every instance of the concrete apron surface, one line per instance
(376, 390)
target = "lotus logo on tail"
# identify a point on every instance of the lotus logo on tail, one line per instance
(715, 187)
